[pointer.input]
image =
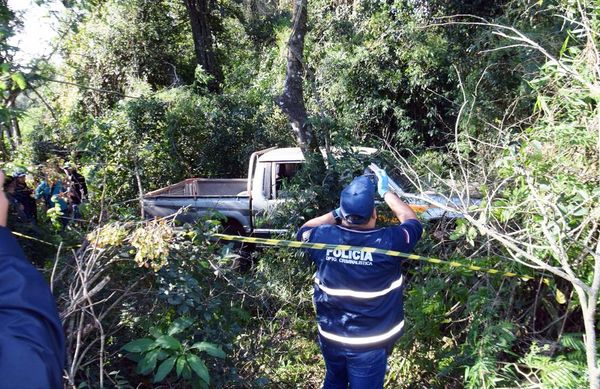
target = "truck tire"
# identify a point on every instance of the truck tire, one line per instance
(243, 263)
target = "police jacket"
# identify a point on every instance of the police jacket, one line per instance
(32, 351)
(358, 295)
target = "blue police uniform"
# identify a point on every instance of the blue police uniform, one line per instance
(32, 344)
(358, 295)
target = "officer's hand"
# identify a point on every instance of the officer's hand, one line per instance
(382, 182)
(3, 202)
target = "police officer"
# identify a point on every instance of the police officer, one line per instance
(24, 194)
(32, 351)
(357, 294)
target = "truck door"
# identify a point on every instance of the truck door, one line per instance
(281, 177)
(272, 181)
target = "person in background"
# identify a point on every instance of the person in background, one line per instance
(24, 194)
(358, 294)
(52, 190)
(43, 192)
(59, 195)
(32, 343)
(16, 213)
(77, 190)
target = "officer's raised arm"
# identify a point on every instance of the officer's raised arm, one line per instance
(409, 224)
(402, 211)
(327, 218)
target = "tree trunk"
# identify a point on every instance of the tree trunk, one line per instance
(140, 190)
(291, 101)
(4, 153)
(588, 308)
(12, 126)
(15, 130)
(9, 137)
(198, 11)
(590, 346)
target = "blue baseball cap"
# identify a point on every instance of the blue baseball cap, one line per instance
(357, 200)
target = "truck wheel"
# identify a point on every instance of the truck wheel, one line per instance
(243, 263)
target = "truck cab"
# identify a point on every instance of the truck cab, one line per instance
(268, 170)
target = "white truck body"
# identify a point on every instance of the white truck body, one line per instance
(240, 200)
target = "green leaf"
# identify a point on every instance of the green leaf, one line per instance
(564, 47)
(164, 369)
(181, 363)
(210, 348)
(560, 297)
(573, 341)
(19, 79)
(169, 342)
(199, 385)
(187, 372)
(164, 354)
(139, 345)
(148, 363)
(179, 325)
(198, 367)
(155, 332)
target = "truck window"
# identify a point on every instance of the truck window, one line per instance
(282, 176)
(267, 181)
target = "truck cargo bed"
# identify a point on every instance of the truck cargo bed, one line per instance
(192, 198)
(204, 187)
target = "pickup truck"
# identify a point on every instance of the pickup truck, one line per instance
(241, 200)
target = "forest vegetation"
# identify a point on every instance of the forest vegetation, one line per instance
(495, 98)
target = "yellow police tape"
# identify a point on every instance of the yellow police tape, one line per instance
(321, 246)
(42, 241)
(32, 238)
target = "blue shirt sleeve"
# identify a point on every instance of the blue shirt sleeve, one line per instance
(303, 233)
(42, 190)
(32, 344)
(407, 234)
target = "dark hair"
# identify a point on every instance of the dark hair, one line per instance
(7, 181)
